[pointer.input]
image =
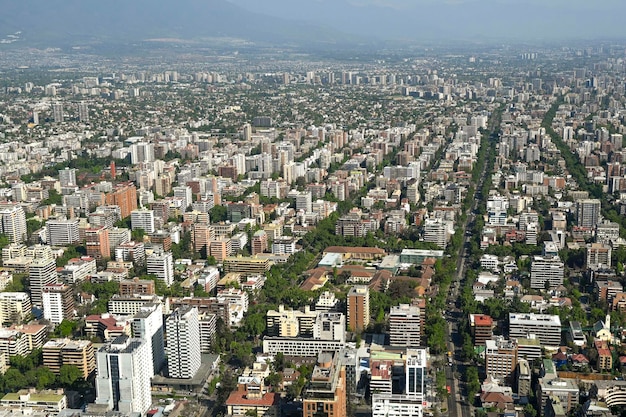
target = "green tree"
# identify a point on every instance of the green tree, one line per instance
(66, 328)
(138, 234)
(45, 378)
(14, 380)
(69, 375)
(218, 214)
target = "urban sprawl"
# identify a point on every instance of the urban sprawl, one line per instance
(423, 233)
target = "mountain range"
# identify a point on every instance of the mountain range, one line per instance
(68, 22)
(310, 22)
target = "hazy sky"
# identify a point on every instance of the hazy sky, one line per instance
(457, 19)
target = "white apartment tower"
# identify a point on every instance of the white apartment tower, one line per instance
(142, 219)
(57, 112)
(548, 269)
(14, 307)
(544, 327)
(83, 112)
(435, 231)
(13, 222)
(161, 264)
(62, 232)
(41, 273)
(405, 326)
(185, 193)
(141, 152)
(123, 375)
(183, 342)
(67, 177)
(147, 324)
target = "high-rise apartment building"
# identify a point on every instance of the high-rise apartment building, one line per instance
(141, 152)
(405, 325)
(14, 307)
(83, 112)
(57, 112)
(147, 324)
(41, 273)
(62, 232)
(124, 196)
(79, 353)
(123, 375)
(500, 358)
(599, 256)
(67, 177)
(588, 212)
(411, 402)
(546, 270)
(358, 308)
(435, 231)
(183, 342)
(142, 219)
(13, 222)
(185, 193)
(544, 327)
(259, 242)
(58, 303)
(161, 264)
(97, 242)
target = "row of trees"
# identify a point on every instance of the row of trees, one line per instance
(28, 371)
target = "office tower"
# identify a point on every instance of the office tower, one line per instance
(13, 223)
(83, 112)
(185, 193)
(546, 269)
(325, 395)
(62, 232)
(587, 212)
(41, 273)
(416, 372)
(58, 303)
(161, 264)
(544, 327)
(358, 308)
(411, 401)
(57, 112)
(123, 378)
(183, 342)
(142, 219)
(14, 307)
(147, 324)
(141, 152)
(35, 118)
(67, 177)
(97, 242)
(405, 326)
(79, 353)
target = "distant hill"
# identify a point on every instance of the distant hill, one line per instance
(67, 22)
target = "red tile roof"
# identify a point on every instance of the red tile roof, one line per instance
(239, 398)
